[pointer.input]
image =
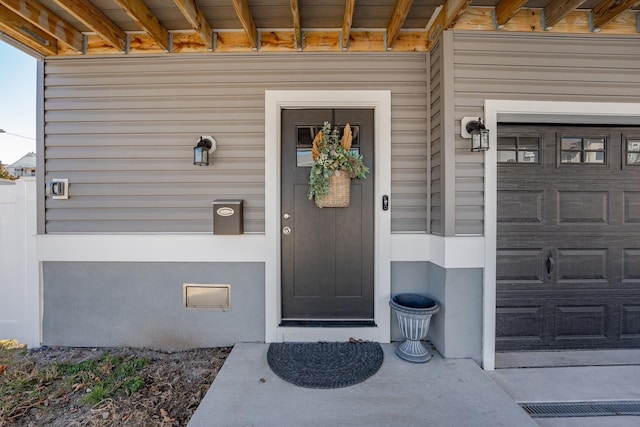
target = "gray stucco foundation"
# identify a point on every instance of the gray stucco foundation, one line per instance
(456, 331)
(141, 304)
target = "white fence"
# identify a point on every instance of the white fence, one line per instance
(19, 272)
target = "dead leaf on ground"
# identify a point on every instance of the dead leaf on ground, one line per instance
(2, 369)
(166, 417)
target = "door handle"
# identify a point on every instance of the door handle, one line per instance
(551, 264)
(286, 230)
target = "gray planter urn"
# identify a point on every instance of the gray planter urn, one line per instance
(414, 315)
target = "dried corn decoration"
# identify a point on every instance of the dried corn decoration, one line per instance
(347, 137)
(315, 150)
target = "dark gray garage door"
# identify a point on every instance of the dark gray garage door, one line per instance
(568, 261)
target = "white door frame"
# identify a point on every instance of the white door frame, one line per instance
(380, 102)
(534, 112)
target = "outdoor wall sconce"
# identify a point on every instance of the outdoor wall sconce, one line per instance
(473, 128)
(205, 146)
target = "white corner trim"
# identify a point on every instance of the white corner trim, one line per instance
(543, 112)
(380, 102)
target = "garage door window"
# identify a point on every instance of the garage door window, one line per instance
(519, 149)
(633, 152)
(583, 150)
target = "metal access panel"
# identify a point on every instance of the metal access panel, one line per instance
(206, 296)
(227, 217)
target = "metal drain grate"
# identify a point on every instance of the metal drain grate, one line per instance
(581, 409)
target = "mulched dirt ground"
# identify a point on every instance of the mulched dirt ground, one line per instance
(174, 385)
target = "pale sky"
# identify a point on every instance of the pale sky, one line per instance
(17, 103)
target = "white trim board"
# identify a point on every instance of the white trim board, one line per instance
(445, 252)
(380, 102)
(539, 112)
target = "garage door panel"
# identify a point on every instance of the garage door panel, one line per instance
(520, 206)
(520, 266)
(520, 324)
(583, 207)
(631, 265)
(581, 322)
(631, 207)
(630, 322)
(582, 265)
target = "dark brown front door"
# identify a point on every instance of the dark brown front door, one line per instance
(568, 270)
(327, 254)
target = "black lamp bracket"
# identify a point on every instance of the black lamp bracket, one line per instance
(207, 141)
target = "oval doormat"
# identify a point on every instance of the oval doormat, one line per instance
(325, 364)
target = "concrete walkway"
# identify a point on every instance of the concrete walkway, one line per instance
(452, 392)
(574, 384)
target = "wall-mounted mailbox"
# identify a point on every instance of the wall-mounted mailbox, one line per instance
(227, 217)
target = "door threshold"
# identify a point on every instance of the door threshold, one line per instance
(328, 324)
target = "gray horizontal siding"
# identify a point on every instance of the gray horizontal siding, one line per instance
(537, 67)
(122, 131)
(435, 112)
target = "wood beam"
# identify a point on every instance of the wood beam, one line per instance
(95, 19)
(347, 21)
(507, 9)
(270, 41)
(608, 10)
(197, 20)
(140, 13)
(453, 9)
(447, 18)
(246, 20)
(398, 17)
(45, 19)
(557, 10)
(297, 29)
(529, 20)
(26, 33)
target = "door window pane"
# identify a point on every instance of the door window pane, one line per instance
(528, 157)
(583, 150)
(506, 156)
(306, 134)
(519, 149)
(303, 158)
(633, 152)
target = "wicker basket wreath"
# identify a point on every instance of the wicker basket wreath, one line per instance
(334, 165)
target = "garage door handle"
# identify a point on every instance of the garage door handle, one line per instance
(551, 264)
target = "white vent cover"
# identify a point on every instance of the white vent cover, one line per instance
(205, 296)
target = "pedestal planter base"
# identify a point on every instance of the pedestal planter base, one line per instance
(414, 315)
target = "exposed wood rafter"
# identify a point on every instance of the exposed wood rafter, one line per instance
(95, 19)
(557, 10)
(27, 33)
(453, 9)
(297, 29)
(397, 19)
(140, 13)
(347, 20)
(608, 10)
(447, 18)
(246, 20)
(507, 9)
(197, 20)
(45, 19)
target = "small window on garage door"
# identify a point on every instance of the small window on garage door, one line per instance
(633, 151)
(583, 150)
(519, 149)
